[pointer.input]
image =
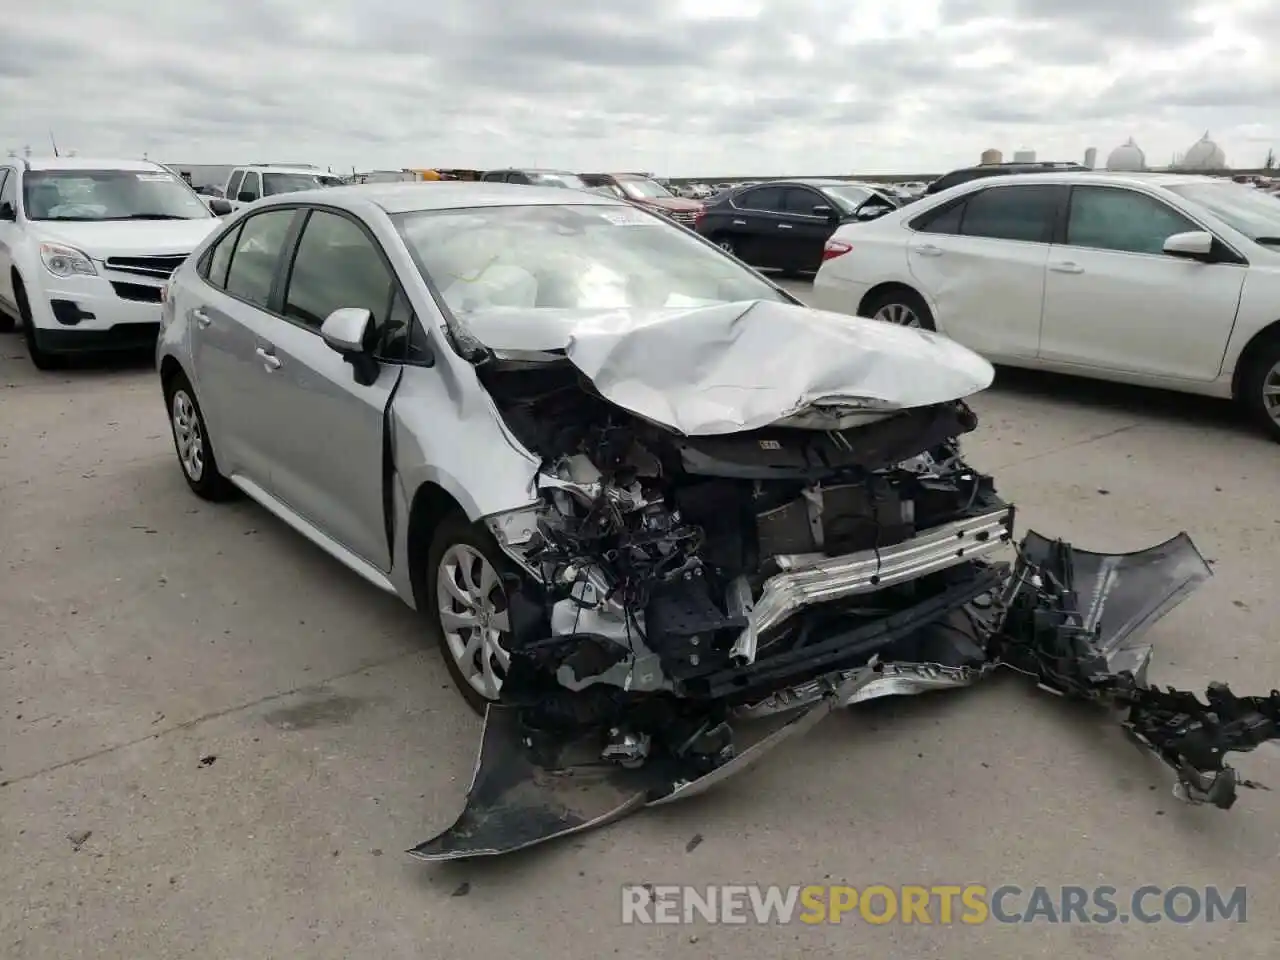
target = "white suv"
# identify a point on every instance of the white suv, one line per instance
(247, 184)
(86, 248)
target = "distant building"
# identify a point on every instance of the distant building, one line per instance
(1024, 156)
(1204, 155)
(1091, 158)
(992, 156)
(1127, 158)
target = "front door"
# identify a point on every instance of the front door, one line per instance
(803, 233)
(1115, 301)
(328, 430)
(982, 261)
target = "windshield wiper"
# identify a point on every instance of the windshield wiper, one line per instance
(1268, 241)
(153, 216)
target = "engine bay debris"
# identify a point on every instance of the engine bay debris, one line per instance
(686, 603)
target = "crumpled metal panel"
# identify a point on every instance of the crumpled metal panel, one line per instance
(729, 367)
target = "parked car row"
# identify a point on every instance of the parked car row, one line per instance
(1162, 280)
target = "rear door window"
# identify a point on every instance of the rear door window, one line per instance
(219, 259)
(1017, 212)
(944, 220)
(257, 255)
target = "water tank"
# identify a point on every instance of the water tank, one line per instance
(1024, 156)
(1091, 158)
(1127, 158)
(992, 156)
(1204, 155)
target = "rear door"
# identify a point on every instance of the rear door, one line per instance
(227, 324)
(982, 259)
(802, 233)
(1114, 300)
(753, 225)
(327, 429)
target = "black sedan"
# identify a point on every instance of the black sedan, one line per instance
(783, 224)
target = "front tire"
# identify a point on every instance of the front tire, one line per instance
(467, 596)
(191, 442)
(900, 306)
(725, 243)
(41, 359)
(1259, 389)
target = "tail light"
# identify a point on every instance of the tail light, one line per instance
(164, 293)
(835, 248)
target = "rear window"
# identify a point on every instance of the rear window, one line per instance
(566, 257)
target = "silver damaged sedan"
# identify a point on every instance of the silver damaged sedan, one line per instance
(661, 514)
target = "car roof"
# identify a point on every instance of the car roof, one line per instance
(1094, 176)
(531, 170)
(442, 195)
(88, 163)
(276, 168)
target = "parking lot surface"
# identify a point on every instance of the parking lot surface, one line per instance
(216, 742)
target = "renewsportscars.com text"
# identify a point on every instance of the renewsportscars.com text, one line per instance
(934, 904)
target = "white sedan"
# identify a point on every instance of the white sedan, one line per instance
(1158, 280)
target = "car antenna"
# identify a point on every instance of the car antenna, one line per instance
(54, 142)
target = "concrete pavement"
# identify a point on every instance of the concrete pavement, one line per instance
(217, 742)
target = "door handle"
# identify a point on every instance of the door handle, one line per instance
(1066, 267)
(269, 360)
(784, 226)
(929, 250)
(200, 317)
(739, 223)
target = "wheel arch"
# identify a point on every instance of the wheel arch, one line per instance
(431, 504)
(170, 368)
(890, 286)
(1265, 336)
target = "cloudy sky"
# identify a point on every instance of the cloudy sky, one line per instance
(682, 87)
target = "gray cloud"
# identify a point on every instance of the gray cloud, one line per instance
(799, 85)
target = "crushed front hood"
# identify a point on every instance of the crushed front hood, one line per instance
(729, 367)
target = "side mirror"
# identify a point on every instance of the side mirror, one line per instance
(872, 212)
(346, 331)
(219, 206)
(1193, 245)
(7, 212)
(244, 196)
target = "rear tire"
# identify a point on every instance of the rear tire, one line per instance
(899, 306)
(1260, 375)
(467, 599)
(41, 359)
(191, 442)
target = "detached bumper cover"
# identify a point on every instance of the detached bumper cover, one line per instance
(1070, 619)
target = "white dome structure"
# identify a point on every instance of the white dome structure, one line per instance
(1204, 155)
(1127, 158)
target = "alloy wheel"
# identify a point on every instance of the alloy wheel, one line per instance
(1271, 393)
(897, 313)
(474, 617)
(187, 431)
